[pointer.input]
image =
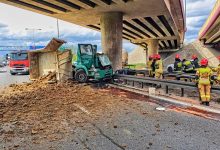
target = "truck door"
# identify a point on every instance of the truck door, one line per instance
(86, 55)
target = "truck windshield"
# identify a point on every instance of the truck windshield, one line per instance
(86, 49)
(104, 60)
(19, 56)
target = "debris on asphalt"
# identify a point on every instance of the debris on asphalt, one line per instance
(41, 111)
(161, 108)
(157, 126)
(44, 110)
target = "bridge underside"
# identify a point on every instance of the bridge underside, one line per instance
(210, 32)
(153, 24)
(213, 34)
(143, 20)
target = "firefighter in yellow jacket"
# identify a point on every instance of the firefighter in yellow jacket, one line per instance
(158, 67)
(149, 66)
(203, 76)
(217, 70)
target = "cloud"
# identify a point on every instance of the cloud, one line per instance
(2, 25)
(13, 32)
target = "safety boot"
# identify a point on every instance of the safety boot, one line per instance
(203, 103)
(207, 103)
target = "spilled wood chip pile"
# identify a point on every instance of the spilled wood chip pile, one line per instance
(43, 110)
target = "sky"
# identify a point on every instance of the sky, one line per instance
(12, 28)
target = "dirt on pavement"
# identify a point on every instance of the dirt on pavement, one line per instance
(46, 110)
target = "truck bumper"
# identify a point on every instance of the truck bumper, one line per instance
(24, 70)
(103, 74)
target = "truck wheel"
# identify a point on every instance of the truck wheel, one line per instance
(81, 76)
(73, 74)
(12, 73)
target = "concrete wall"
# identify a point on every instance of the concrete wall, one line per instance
(138, 55)
(198, 49)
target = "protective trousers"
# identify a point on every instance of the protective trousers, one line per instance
(204, 91)
(150, 73)
(158, 74)
(159, 69)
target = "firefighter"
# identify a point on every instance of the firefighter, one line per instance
(149, 66)
(188, 66)
(178, 63)
(158, 67)
(217, 70)
(195, 61)
(153, 65)
(203, 77)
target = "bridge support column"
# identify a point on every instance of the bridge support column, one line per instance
(153, 46)
(111, 35)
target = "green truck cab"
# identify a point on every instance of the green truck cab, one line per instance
(91, 65)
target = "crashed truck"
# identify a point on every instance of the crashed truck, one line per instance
(91, 65)
(88, 65)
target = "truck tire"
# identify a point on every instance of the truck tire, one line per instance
(81, 76)
(12, 73)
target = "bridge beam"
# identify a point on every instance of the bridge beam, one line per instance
(111, 35)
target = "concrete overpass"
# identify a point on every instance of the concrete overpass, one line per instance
(153, 24)
(210, 31)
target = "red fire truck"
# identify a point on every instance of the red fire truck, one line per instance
(18, 62)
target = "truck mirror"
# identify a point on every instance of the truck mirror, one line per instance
(94, 47)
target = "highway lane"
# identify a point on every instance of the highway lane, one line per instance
(133, 124)
(6, 78)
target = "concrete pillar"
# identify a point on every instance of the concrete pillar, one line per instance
(111, 34)
(153, 47)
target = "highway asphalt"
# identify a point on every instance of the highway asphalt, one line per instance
(132, 125)
(6, 78)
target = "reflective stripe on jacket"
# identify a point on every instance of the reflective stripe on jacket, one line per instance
(188, 66)
(159, 66)
(204, 75)
(217, 70)
(149, 63)
(178, 66)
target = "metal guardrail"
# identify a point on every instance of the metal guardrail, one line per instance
(144, 72)
(167, 83)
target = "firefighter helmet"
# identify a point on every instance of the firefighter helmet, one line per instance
(194, 56)
(177, 56)
(151, 57)
(204, 62)
(157, 56)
